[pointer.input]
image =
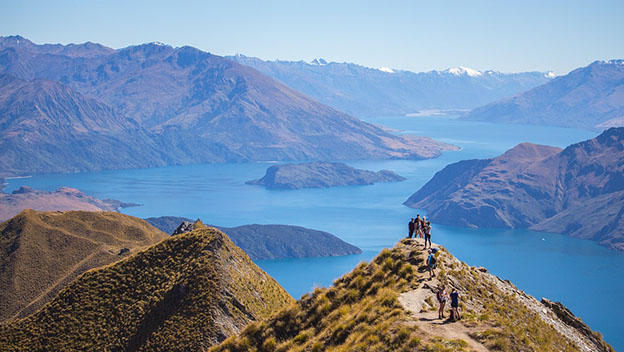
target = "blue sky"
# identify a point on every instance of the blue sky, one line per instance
(413, 35)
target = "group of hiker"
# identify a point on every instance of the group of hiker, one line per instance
(420, 227)
(442, 297)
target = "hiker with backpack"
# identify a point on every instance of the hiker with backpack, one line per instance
(431, 263)
(454, 305)
(442, 297)
(411, 227)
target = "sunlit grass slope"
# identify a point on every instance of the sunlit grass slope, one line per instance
(41, 252)
(186, 293)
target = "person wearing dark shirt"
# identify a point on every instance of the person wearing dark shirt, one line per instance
(455, 305)
(411, 227)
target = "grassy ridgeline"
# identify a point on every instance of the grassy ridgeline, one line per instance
(186, 293)
(42, 252)
(362, 312)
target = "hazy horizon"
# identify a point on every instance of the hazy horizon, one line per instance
(415, 36)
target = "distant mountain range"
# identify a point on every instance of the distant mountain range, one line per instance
(590, 97)
(578, 191)
(365, 92)
(86, 107)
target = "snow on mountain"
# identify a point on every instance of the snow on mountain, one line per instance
(461, 70)
(386, 69)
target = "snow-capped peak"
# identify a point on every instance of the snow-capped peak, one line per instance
(386, 69)
(318, 62)
(550, 74)
(460, 71)
(159, 44)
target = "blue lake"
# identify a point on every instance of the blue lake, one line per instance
(584, 276)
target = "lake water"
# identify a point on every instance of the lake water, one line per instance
(584, 276)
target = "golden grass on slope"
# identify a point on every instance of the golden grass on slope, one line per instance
(41, 252)
(184, 294)
(360, 312)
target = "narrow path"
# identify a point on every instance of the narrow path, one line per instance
(427, 320)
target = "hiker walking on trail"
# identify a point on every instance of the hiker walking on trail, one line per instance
(454, 305)
(442, 297)
(431, 263)
(427, 231)
(411, 227)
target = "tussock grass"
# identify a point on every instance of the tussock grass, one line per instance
(186, 293)
(42, 252)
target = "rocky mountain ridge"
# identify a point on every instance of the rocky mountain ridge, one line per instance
(168, 106)
(578, 191)
(390, 305)
(370, 92)
(590, 97)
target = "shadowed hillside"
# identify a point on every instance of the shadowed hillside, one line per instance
(184, 294)
(578, 191)
(590, 97)
(152, 104)
(41, 252)
(388, 305)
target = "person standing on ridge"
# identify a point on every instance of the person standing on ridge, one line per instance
(427, 231)
(442, 296)
(410, 227)
(417, 225)
(454, 305)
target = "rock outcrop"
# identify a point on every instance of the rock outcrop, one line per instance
(320, 175)
(578, 191)
(62, 199)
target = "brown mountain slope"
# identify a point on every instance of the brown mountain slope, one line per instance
(183, 294)
(41, 252)
(62, 199)
(577, 191)
(46, 126)
(590, 97)
(389, 305)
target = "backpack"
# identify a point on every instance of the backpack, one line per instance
(432, 260)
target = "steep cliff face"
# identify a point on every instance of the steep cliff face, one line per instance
(42, 252)
(577, 191)
(186, 293)
(389, 305)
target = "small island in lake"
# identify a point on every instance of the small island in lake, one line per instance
(320, 175)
